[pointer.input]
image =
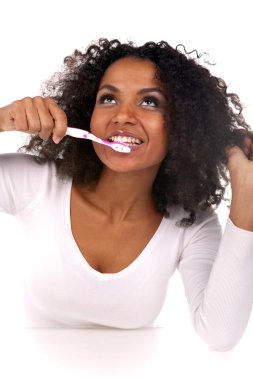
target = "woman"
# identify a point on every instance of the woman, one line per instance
(107, 229)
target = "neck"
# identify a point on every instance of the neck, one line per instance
(124, 196)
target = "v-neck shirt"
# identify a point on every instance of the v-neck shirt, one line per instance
(61, 289)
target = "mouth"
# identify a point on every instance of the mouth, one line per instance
(127, 140)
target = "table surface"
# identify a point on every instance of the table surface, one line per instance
(101, 353)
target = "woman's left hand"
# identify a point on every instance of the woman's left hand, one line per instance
(240, 166)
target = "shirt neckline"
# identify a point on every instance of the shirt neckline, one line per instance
(83, 263)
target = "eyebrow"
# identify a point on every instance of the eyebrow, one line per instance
(142, 91)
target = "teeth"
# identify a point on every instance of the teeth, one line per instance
(126, 140)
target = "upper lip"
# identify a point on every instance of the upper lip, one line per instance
(124, 133)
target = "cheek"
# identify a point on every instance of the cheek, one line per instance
(162, 150)
(160, 133)
(99, 121)
(163, 143)
(93, 122)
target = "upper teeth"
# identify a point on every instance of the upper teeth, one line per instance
(125, 139)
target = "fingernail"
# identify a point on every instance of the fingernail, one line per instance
(56, 139)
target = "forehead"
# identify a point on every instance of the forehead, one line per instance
(131, 69)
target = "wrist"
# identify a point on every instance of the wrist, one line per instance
(241, 214)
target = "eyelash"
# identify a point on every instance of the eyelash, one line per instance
(104, 97)
(152, 99)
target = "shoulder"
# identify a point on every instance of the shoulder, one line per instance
(18, 165)
(18, 159)
(207, 223)
(209, 216)
(23, 180)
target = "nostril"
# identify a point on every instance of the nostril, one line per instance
(124, 116)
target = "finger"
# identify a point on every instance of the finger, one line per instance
(32, 116)
(17, 117)
(60, 121)
(46, 120)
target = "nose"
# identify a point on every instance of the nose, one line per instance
(124, 114)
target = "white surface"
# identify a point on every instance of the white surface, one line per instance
(102, 354)
(35, 37)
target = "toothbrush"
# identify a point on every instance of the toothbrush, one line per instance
(82, 134)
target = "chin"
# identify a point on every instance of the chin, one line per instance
(124, 163)
(131, 169)
(121, 169)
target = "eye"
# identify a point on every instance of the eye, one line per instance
(107, 99)
(150, 101)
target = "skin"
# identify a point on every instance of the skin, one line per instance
(121, 206)
(241, 176)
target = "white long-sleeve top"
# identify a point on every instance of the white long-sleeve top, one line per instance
(62, 290)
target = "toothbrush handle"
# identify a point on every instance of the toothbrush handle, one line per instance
(75, 132)
(90, 136)
(81, 133)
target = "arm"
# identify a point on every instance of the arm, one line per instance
(219, 287)
(217, 274)
(241, 174)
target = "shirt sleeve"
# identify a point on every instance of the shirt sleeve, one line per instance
(22, 182)
(217, 274)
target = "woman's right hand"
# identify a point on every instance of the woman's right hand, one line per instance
(36, 115)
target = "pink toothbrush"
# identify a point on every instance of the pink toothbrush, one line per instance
(82, 134)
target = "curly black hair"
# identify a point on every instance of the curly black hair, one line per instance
(203, 119)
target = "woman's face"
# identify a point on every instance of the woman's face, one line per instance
(130, 107)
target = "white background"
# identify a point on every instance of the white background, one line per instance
(35, 36)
